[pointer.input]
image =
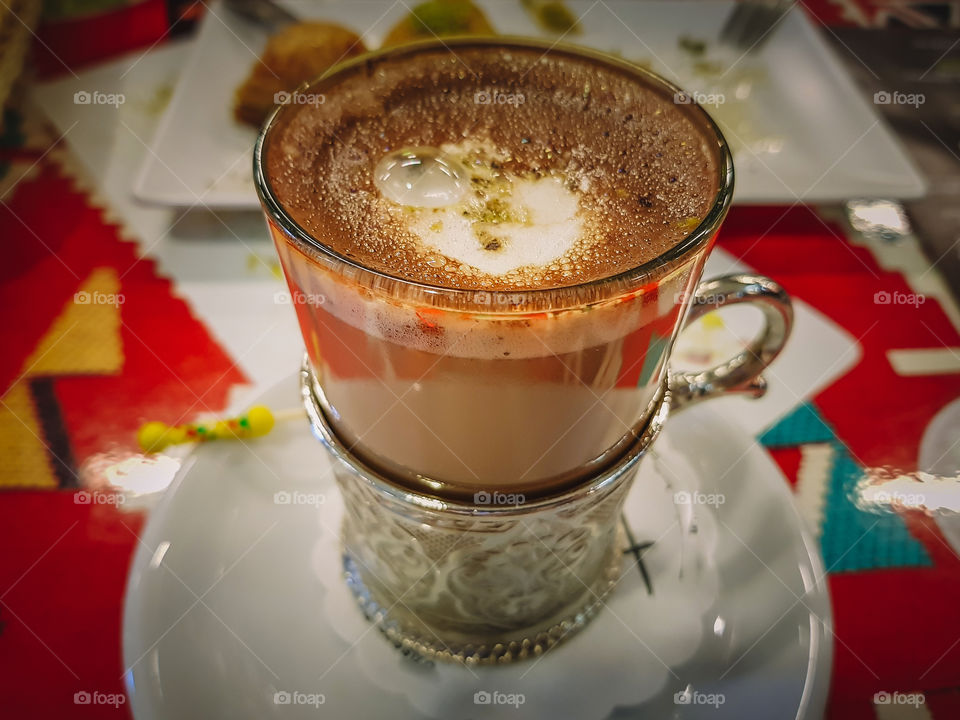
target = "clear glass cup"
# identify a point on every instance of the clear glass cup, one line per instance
(441, 409)
(483, 489)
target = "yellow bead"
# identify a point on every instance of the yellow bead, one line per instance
(220, 431)
(259, 421)
(152, 436)
(713, 321)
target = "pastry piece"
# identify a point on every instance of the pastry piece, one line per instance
(294, 55)
(438, 18)
(553, 16)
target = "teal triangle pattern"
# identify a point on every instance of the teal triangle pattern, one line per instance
(851, 539)
(801, 427)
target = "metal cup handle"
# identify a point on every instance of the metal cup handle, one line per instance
(742, 373)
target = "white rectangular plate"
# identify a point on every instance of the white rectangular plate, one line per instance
(799, 127)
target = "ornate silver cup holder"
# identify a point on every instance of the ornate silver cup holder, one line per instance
(479, 583)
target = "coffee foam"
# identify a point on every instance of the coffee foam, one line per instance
(640, 171)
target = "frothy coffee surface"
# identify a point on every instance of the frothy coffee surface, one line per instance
(446, 169)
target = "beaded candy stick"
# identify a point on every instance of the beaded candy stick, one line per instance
(255, 422)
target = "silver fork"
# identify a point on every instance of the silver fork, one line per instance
(752, 22)
(265, 13)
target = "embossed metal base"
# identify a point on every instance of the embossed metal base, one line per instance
(479, 584)
(528, 643)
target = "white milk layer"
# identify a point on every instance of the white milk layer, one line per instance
(468, 211)
(541, 225)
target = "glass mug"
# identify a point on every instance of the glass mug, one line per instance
(444, 407)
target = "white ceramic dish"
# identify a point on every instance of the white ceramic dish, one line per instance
(800, 131)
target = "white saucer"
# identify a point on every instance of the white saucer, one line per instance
(233, 604)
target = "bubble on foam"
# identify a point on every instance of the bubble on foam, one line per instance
(422, 177)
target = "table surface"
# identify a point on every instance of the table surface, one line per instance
(180, 321)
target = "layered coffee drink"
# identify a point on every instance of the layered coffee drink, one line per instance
(490, 257)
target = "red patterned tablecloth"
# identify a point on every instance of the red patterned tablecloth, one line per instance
(78, 379)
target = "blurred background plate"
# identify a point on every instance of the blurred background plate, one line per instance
(799, 127)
